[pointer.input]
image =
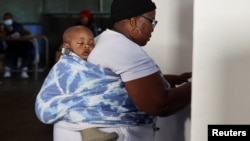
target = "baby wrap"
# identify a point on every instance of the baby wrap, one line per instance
(77, 91)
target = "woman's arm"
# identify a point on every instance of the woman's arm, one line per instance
(150, 95)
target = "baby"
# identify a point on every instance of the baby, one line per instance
(79, 41)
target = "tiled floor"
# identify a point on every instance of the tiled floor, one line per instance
(17, 116)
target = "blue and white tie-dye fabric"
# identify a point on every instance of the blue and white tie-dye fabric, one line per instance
(77, 91)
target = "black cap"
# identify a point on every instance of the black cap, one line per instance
(125, 9)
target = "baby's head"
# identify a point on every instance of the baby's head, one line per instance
(79, 39)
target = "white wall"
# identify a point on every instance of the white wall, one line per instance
(171, 48)
(171, 43)
(221, 65)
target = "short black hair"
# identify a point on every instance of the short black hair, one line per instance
(7, 14)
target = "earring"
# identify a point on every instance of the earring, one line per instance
(135, 32)
(139, 31)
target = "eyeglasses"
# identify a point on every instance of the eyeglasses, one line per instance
(152, 21)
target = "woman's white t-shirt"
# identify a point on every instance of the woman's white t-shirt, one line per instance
(116, 52)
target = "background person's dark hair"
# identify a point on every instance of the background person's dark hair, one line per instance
(7, 14)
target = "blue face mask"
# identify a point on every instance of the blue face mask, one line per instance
(8, 22)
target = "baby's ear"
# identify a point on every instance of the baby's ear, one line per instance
(66, 45)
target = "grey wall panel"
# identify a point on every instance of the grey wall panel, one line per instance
(31, 11)
(24, 11)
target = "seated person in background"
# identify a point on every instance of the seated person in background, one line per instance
(86, 19)
(2, 35)
(18, 45)
(78, 42)
(2, 49)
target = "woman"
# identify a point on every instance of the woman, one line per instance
(120, 48)
(125, 100)
(124, 55)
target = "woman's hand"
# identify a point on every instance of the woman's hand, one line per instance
(178, 79)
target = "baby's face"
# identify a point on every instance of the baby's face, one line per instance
(82, 43)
